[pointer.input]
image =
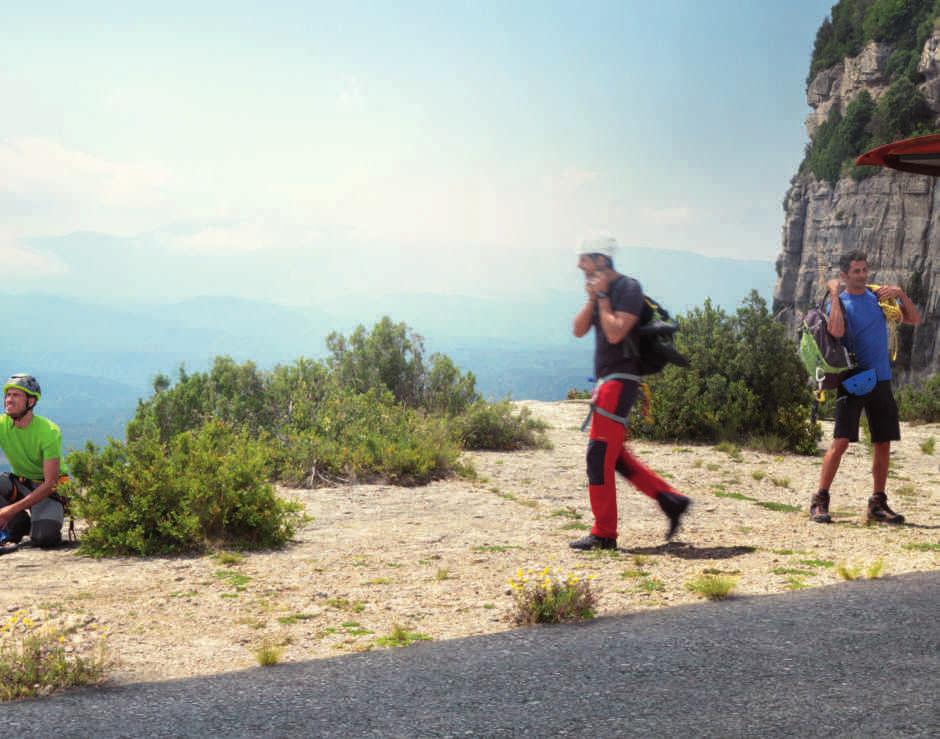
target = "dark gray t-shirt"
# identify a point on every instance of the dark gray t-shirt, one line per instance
(626, 296)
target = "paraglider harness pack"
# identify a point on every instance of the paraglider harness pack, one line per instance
(825, 357)
(652, 346)
(828, 360)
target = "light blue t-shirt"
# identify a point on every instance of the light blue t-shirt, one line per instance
(866, 332)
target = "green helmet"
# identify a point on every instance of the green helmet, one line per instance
(27, 383)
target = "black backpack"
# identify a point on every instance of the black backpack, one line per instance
(652, 343)
(825, 357)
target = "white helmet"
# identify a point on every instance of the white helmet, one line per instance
(606, 245)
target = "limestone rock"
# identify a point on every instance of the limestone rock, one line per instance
(929, 66)
(895, 219)
(838, 85)
(891, 216)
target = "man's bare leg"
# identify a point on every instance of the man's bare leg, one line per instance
(819, 505)
(831, 462)
(880, 457)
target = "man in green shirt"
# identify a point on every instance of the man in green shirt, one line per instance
(33, 446)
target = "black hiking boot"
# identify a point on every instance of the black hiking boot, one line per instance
(674, 505)
(878, 511)
(819, 508)
(593, 542)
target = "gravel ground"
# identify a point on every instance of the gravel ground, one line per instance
(436, 560)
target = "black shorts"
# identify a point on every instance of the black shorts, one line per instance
(880, 410)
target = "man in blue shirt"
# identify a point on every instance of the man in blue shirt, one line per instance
(856, 317)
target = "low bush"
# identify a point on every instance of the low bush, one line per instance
(193, 472)
(920, 402)
(201, 489)
(541, 597)
(399, 636)
(391, 357)
(497, 426)
(357, 437)
(35, 660)
(744, 381)
(712, 587)
(840, 35)
(872, 571)
(268, 653)
(840, 138)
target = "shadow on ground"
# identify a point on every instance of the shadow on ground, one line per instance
(683, 550)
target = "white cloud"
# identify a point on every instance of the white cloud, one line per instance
(34, 166)
(240, 237)
(12, 254)
(48, 189)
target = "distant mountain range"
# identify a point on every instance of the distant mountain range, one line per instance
(95, 360)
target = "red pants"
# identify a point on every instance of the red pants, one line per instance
(607, 452)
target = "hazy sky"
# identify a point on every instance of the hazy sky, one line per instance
(414, 130)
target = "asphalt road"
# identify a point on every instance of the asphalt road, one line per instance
(856, 659)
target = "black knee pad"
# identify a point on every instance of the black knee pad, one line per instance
(596, 451)
(624, 469)
(19, 526)
(46, 534)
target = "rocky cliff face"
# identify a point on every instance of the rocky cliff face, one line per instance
(893, 217)
(837, 85)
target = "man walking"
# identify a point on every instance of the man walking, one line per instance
(856, 317)
(33, 446)
(614, 303)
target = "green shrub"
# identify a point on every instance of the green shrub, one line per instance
(228, 392)
(873, 571)
(495, 426)
(769, 443)
(839, 36)
(840, 138)
(374, 410)
(889, 20)
(712, 587)
(901, 111)
(35, 660)
(853, 23)
(744, 381)
(358, 437)
(399, 636)
(268, 653)
(902, 63)
(541, 597)
(391, 357)
(315, 429)
(920, 402)
(202, 488)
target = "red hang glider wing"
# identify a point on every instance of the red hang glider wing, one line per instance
(920, 155)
